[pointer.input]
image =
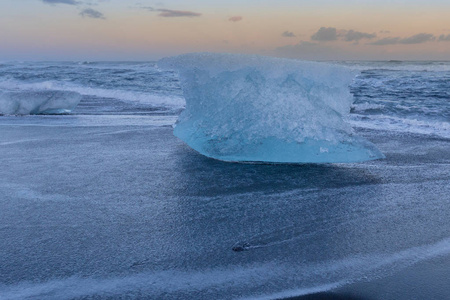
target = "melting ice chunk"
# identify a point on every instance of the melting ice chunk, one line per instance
(27, 102)
(260, 109)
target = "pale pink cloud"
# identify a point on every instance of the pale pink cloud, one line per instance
(235, 19)
(169, 13)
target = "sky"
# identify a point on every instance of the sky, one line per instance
(148, 30)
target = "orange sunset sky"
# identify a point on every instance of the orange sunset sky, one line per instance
(149, 30)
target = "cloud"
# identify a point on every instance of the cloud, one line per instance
(94, 3)
(355, 36)
(235, 19)
(70, 2)
(444, 38)
(325, 34)
(149, 8)
(418, 39)
(288, 34)
(91, 13)
(312, 51)
(386, 41)
(415, 39)
(169, 13)
(333, 34)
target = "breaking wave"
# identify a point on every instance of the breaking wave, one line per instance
(38, 102)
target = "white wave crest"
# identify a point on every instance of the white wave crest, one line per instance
(154, 100)
(391, 123)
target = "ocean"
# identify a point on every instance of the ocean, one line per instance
(104, 202)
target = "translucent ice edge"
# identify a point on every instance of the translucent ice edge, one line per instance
(32, 102)
(259, 109)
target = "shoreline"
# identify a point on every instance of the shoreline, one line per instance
(427, 279)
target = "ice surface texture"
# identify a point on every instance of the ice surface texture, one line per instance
(260, 109)
(38, 102)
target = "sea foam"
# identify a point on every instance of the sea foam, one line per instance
(254, 108)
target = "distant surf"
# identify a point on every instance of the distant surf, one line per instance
(404, 96)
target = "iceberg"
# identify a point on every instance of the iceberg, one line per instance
(249, 108)
(26, 102)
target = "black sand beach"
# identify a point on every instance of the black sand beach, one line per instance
(130, 211)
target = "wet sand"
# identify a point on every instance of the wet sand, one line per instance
(116, 210)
